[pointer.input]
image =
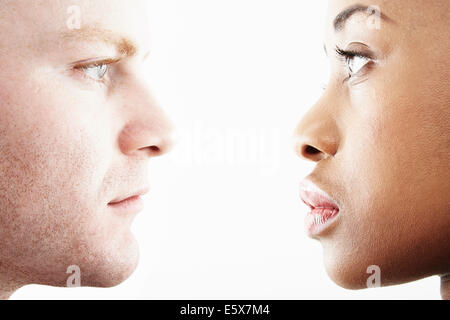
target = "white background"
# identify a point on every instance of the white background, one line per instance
(224, 220)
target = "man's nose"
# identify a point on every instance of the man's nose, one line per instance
(148, 131)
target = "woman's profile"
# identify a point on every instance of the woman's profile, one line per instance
(380, 136)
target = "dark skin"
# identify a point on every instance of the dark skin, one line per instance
(380, 136)
(445, 287)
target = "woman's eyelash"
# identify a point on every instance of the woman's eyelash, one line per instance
(355, 61)
(351, 53)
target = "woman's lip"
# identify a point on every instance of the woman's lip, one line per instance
(314, 197)
(324, 210)
(318, 220)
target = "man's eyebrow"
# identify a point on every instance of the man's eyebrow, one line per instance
(343, 16)
(124, 46)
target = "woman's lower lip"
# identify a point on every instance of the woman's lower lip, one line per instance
(319, 219)
(130, 205)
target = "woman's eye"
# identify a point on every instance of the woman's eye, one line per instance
(96, 72)
(354, 61)
(355, 64)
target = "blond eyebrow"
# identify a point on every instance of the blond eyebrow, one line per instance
(124, 45)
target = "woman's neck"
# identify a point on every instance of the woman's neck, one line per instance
(445, 287)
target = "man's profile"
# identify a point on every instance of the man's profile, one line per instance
(77, 128)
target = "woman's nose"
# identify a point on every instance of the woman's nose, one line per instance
(317, 136)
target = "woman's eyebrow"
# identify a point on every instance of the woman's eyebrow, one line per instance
(346, 14)
(124, 45)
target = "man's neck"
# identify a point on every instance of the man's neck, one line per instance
(4, 295)
(445, 287)
(8, 281)
(7, 288)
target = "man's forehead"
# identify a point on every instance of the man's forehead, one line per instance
(112, 22)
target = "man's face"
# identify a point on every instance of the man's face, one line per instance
(77, 127)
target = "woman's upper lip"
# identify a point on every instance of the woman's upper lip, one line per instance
(139, 192)
(315, 197)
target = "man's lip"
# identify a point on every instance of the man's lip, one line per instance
(138, 193)
(315, 197)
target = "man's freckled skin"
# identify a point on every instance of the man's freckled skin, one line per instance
(61, 162)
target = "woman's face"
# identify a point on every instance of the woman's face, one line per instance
(75, 137)
(380, 135)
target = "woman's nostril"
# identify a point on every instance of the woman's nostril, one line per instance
(309, 150)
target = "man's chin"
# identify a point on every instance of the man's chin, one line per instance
(103, 267)
(111, 273)
(85, 264)
(109, 281)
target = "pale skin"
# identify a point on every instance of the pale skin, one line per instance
(73, 137)
(380, 136)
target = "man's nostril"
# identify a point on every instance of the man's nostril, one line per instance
(152, 150)
(155, 150)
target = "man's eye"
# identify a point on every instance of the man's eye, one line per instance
(96, 72)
